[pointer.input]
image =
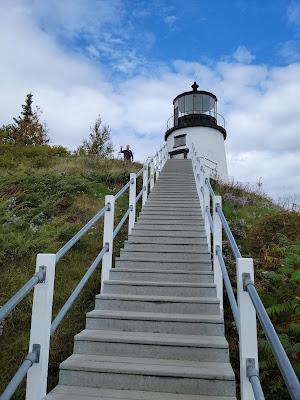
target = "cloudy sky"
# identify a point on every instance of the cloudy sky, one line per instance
(127, 60)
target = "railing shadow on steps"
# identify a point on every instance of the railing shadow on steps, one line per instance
(248, 305)
(35, 364)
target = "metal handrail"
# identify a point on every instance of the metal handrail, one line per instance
(65, 308)
(281, 357)
(228, 232)
(211, 224)
(38, 277)
(140, 194)
(121, 223)
(229, 290)
(80, 233)
(29, 360)
(253, 376)
(123, 190)
(210, 189)
(139, 172)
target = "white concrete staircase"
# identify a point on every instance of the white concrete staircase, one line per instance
(156, 331)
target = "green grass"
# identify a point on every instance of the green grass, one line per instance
(271, 236)
(46, 196)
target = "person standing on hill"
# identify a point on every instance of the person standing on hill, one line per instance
(127, 153)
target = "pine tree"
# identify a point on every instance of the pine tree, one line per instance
(27, 128)
(98, 143)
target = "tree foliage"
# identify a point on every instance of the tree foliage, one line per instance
(98, 144)
(27, 128)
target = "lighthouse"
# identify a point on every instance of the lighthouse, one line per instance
(195, 120)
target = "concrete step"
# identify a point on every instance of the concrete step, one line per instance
(158, 304)
(132, 321)
(167, 248)
(129, 373)
(149, 288)
(172, 221)
(152, 345)
(168, 232)
(182, 213)
(164, 265)
(170, 208)
(62, 392)
(166, 240)
(169, 227)
(175, 202)
(163, 256)
(155, 275)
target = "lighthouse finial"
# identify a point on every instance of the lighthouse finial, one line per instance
(195, 86)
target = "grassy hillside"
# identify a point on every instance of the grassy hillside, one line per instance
(46, 196)
(271, 236)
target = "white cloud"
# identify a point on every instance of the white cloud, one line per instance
(243, 55)
(260, 103)
(290, 50)
(293, 14)
(170, 20)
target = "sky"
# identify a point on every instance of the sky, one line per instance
(127, 59)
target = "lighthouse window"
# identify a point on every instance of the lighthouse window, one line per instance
(180, 104)
(179, 140)
(189, 104)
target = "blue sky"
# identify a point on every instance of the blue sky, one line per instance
(127, 60)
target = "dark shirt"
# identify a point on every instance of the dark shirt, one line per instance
(127, 154)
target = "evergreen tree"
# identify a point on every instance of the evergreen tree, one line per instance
(98, 144)
(27, 128)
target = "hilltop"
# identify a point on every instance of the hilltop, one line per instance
(47, 194)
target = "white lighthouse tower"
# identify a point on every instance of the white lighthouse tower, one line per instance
(196, 121)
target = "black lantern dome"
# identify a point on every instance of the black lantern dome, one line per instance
(195, 108)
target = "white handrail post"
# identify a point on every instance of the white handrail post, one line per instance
(41, 318)
(151, 174)
(202, 183)
(145, 184)
(217, 241)
(248, 329)
(160, 160)
(206, 203)
(157, 164)
(108, 238)
(132, 202)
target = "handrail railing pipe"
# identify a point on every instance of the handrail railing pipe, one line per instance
(108, 238)
(210, 189)
(13, 385)
(211, 224)
(228, 286)
(248, 330)
(280, 355)
(59, 317)
(123, 190)
(80, 233)
(253, 376)
(228, 232)
(38, 277)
